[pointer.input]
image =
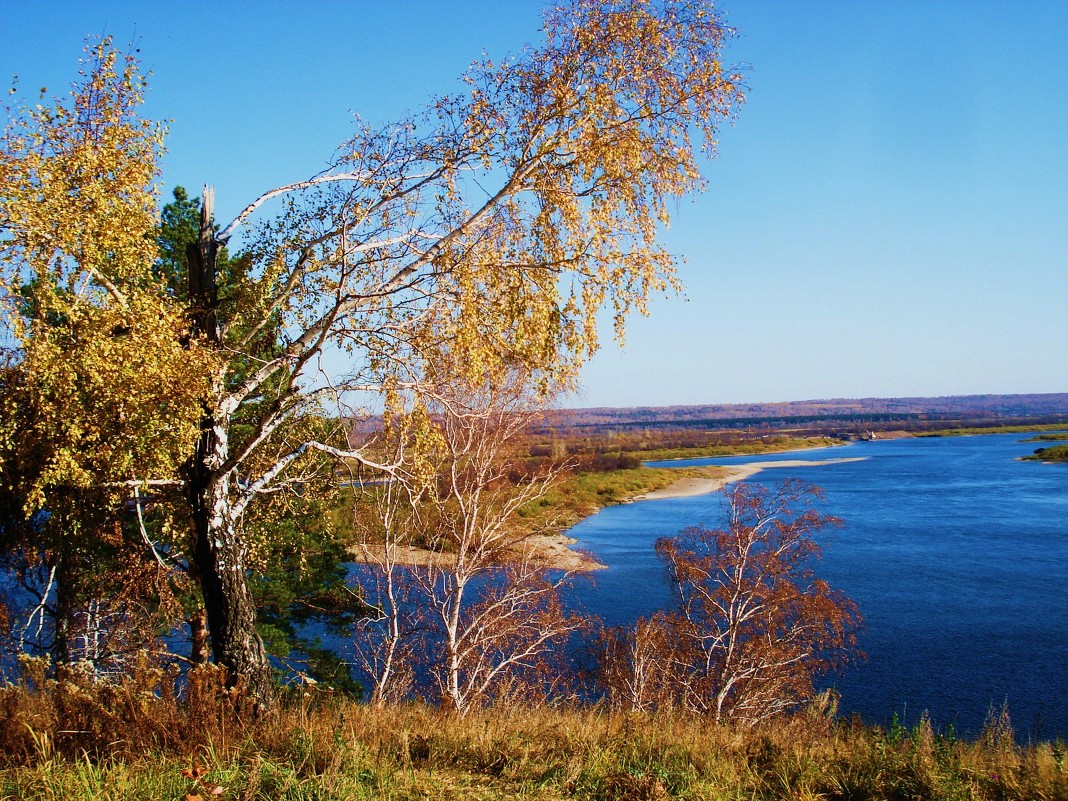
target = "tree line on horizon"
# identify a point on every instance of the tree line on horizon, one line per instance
(1007, 407)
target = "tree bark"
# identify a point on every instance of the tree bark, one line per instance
(218, 553)
(220, 561)
(198, 635)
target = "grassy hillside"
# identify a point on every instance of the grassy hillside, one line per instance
(121, 744)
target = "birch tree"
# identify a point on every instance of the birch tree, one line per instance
(390, 643)
(497, 610)
(498, 224)
(754, 624)
(639, 668)
(472, 615)
(102, 382)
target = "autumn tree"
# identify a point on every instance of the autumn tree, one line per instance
(498, 613)
(388, 522)
(754, 625)
(296, 542)
(475, 612)
(639, 668)
(101, 383)
(498, 224)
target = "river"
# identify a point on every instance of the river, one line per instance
(955, 552)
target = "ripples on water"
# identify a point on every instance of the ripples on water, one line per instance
(956, 553)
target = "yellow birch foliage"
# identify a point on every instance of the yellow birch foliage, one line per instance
(588, 139)
(109, 381)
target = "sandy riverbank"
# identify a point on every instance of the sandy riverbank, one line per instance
(554, 551)
(691, 486)
(550, 550)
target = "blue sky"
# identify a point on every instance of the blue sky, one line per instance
(887, 216)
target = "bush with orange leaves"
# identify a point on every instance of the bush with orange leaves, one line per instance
(754, 625)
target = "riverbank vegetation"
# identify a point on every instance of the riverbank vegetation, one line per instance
(993, 428)
(81, 741)
(581, 493)
(1051, 453)
(1054, 453)
(765, 443)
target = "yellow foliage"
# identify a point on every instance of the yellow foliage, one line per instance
(109, 382)
(588, 139)
(477, 242)
(79, 207)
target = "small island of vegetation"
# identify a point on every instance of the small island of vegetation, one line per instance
(1051, 453)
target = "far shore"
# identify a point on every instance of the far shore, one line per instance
(555, 551)
(739, 455)
(692, 486)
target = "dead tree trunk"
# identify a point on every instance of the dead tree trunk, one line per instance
(218, 553)
(198, 635)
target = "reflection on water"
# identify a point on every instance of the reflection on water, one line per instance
(956, 553)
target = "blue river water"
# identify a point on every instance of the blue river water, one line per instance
(955, 552)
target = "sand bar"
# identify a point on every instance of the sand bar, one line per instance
(691, 486)
(553, 550)
(549, 550)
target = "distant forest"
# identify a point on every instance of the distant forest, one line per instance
(911, 414)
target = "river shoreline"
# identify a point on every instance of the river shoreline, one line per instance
(557, 551)
(549, 550)
(692, 486)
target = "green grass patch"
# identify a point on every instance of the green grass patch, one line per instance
(1048, 437)
(771, 444)
(970, 431)
(1054, 453)
(579, 495)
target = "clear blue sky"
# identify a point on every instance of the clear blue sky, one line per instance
(888, 215)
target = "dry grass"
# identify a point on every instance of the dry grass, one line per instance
(75, 738)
